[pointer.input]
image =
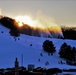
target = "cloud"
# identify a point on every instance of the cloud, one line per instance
(0, 11)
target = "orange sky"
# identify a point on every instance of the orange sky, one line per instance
(63, 11)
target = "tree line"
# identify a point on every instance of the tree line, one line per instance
(69, 32)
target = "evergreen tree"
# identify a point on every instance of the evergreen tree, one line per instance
(48, 46)
(69, 53)
(62, 50)
(73, 55)
(65, 51)
(14, 32)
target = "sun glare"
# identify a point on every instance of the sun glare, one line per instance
(25, 20)
(42, 23)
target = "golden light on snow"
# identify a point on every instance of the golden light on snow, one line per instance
(43, 23)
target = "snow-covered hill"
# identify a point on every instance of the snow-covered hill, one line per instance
(10, 49)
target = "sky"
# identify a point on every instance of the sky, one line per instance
(62, 11)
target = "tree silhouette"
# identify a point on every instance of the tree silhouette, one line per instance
(69, 32)
(48, 46)
(69, 53)
(15, 33)
(63, 48)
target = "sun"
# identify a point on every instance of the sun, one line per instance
(24, 20)
(43, 23)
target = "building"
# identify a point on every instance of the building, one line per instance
(16, 67)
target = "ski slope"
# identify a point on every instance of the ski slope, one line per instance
(10, 49)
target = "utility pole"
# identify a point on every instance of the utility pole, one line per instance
(22, 60)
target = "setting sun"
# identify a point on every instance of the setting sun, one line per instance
(25, 19)
(43, 23)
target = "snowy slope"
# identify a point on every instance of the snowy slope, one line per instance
(10, 49)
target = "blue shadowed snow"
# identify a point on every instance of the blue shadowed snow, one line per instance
(10, 49)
